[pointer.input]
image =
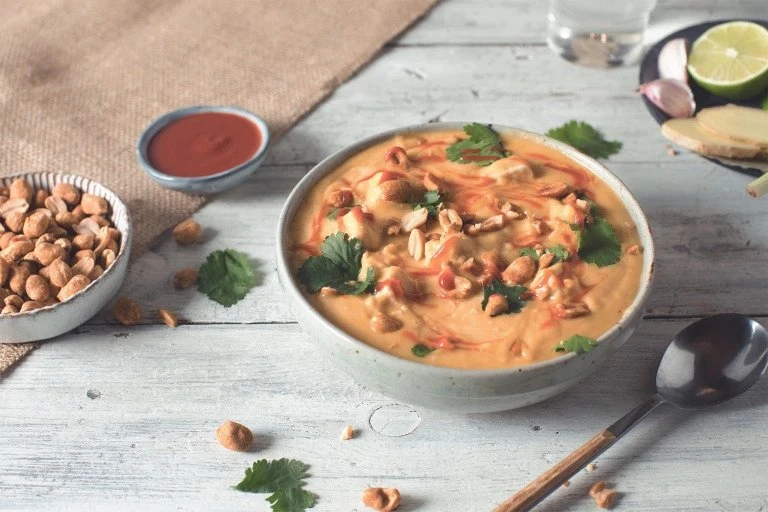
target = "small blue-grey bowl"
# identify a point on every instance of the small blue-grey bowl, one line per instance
(204, 185)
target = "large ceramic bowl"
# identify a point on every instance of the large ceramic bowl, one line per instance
(51, 321)
(447, 388)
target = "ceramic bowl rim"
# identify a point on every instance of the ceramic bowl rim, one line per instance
(166, 180)
(123, 253)
(329, 163)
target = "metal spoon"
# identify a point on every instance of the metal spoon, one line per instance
(707, 363)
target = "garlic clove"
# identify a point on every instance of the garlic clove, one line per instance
(673, 60)
(673, 97)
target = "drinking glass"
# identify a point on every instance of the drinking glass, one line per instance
(598, 33)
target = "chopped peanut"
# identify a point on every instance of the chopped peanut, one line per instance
(599, 486)
(348, 433)
(606, 498)
(381, 323)
(521, 270)
(381, 499)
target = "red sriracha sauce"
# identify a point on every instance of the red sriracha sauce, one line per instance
(204, 144)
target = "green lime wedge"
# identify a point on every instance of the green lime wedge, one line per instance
(731, 59)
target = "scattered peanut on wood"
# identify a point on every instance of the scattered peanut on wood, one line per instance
(234, 436)
(127, 311)
(187, 232)
(348, 433)
(168, 317)
(381, 499)
(185, 278)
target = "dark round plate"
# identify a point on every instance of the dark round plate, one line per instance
(649, 70)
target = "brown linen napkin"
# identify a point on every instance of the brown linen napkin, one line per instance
(80, 79)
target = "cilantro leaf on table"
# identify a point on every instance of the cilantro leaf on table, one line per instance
(576, 343)
(586, 138)
(283, 478)
(483, 147)
(512, 293)
(338, 266)
(226, 276)
(432, 201)
(421, 350)
(599, 243)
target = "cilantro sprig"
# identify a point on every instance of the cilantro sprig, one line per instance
(560, 252)
(576, 343)
(227, 276)
(483, 147)
(586, 138)
(512, 293)
(432, 201)
(284, 478)
(338, 266)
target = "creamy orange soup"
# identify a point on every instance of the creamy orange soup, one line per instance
(512, 225)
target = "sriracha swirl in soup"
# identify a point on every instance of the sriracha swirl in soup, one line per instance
(204, 144)
(467, 253)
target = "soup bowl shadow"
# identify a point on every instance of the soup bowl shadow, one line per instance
(450, 389)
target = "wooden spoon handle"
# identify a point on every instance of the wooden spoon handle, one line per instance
(557, 474)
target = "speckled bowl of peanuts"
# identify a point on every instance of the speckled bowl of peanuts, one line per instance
(65, 242)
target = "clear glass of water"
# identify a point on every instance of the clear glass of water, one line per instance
(598, 33)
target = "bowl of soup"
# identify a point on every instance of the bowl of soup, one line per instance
(465, 267)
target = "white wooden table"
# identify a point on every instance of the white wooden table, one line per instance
(115, 418)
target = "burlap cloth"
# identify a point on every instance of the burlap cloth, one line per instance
(80, 79)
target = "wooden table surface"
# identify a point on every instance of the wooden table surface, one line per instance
(115, 418)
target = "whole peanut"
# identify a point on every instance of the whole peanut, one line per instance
(94, 205)
(21, 189)
(37, 288)
(234, 436)
(185, 278)
(76, 284)
(68, 193)
(127, 311)
(187, 232)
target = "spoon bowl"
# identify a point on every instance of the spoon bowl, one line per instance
(712, 360)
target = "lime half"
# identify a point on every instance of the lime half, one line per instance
(731, 59)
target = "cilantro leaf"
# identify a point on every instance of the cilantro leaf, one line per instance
(361, 287)
(576, 343)
(226, 276)
(338, 266)
(421, 350)
(283, 478)
(483, 147)
(432, 201)
(512, 293)
(530, 251)
(560, 252)
(599, 244)
(333, 213)
(586, 139)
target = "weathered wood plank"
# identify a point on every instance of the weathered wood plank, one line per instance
(520, 22)
(148, 438)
